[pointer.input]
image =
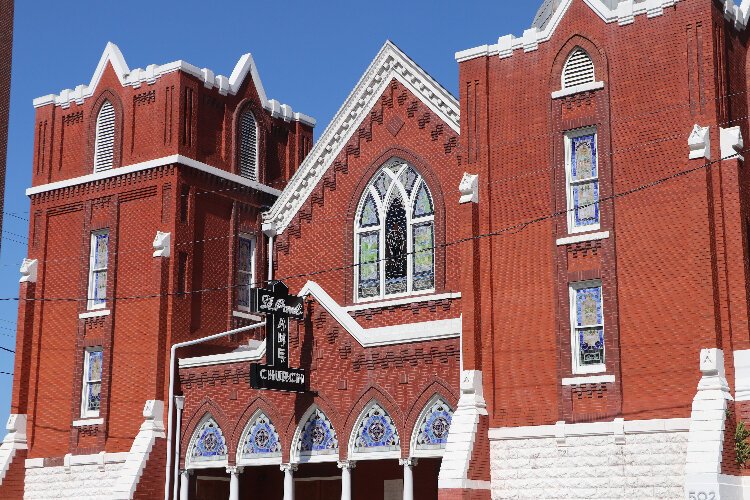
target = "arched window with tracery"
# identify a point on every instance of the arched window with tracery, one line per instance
(207, 446)
(395, 234)
(248, 142)
(104, 141)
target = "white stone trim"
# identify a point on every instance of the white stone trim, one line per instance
(469, 188)
(594, 379)
(162, 244)
(654, 426)
(137, 77)
(147, 165)
(246, 315)
(532, 37)
(390, 63)
(13, 441)
(254, 351)
(742, 375)
(28, 270)
(737, 13)
(582, 238)
(731, 143)
(577, 89)
(87, 421)
(464, 484)
(94, 314)
(77, 460)
(386, 335)
(699, 143)
(402, 301)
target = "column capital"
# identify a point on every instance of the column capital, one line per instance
(188, 472)
(346, 464)
(410, 461)
(236, 469)
(289, 467)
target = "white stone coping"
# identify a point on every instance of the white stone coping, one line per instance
(402, 301)
(96, 459)
(246, 315)
(94, 314)
(582, 238)
(577, 89)
(87, 421)
(593, 379)
(655, 426)
(147, 165)
(254, 351)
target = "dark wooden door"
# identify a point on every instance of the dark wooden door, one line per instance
(317, 490)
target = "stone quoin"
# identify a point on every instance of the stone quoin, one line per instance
(537, 290)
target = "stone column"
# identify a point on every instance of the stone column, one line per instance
(346, 478)
(288, 470)
(234, 482)
(184, 484)
(408, 464)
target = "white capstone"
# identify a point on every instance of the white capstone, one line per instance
(699, 143)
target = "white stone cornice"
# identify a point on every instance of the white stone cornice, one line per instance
(624, 14)
(389, 64)
(137, 77)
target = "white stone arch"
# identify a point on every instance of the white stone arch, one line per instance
(315, 439)
(374, 435)
(429, 436)
(260, 443)
(207, 447)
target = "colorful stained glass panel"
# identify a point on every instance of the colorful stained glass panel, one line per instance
(395, 248)
(318, 435)
(589, 306)
(208, 443)
(434, 426)
(583, 157)
(100, 254)
(369, 265)
(589, 329)
(382, 183)
(423, 202)
(376, 431)
(261, 438)
(369, 214)
(424, 257)
(586, 203)
(408, 179)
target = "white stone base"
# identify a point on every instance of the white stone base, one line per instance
(629, 460)
(77, 481)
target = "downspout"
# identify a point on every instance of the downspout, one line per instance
(269, 229)
(172, 365)
(180, 402)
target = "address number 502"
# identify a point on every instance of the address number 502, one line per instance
(701, 495)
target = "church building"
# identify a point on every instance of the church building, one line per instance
(539, 289)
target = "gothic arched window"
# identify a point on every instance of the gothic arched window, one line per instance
(578, 69)
(374, 431)
(248, 153)
(207, 445)
(431, 433)
(104, 142)
(260, 439)
(395, 234)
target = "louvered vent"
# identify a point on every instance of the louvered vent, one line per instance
(248, 146)
(104, 146)
(579, 69)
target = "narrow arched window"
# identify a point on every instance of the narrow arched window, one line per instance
(104, 143)
(395, 234)
(248, 146)
(578, 69)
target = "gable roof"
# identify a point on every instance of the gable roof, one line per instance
(550, 14)
(137, 77)
(390, 63)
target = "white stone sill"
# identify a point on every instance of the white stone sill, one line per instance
(593, 379)
(94, 314)
(246, 315)
(655, 426)
(88, 421)
(109, 458)
(406, 300)
(586, 87)
(582, 238)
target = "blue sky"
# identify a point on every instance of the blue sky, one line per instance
(309, 54)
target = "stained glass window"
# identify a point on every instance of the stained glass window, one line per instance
(395, 225)
(588, 323)
(376, 431)
(395, 248)
(583, 181)
(92, 382)
(317, 435)
(260, 439)
(98, 269)
(433, 426)
(207, 443)
(245, 270)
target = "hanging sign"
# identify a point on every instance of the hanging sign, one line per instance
(279, 307)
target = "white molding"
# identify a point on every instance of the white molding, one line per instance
(246, 315)
(94, 314)
(654, 426)
(532, 37)
(87, 421)
(742, 375)
(386, 335)
(389, 64)
(577, 89)
(464, 484)
(254, 351)
(147, 165)
(74, 460)
(582, 238)
(137, 77)
(405, 300)
(594, 379)
(29, 268)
